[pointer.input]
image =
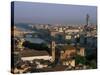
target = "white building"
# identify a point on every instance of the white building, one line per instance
(60, 29)
(72, 30)
(68, 37)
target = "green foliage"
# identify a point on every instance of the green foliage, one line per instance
(68, 41)
(41, 46)
(80, 59)
(93, 64)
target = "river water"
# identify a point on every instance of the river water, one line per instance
(29, 36)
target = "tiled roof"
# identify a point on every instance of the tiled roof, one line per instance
(29, 53)
(68, 47)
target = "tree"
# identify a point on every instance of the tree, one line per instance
(80, 59)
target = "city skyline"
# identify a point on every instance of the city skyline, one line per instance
(47, 13)
(52, 37)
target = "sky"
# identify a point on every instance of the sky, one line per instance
(47, 13)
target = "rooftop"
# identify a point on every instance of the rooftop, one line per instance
(68, 47)
(32, 52)
(56, 68)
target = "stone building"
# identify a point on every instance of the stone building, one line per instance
(68, 54)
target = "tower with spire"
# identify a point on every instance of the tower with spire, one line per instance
(87, 20)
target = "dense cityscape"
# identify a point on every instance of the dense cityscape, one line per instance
(54, 47)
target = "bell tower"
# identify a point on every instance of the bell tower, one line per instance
(53, 45)
(53, 50)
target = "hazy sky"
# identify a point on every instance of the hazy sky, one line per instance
(27, 12)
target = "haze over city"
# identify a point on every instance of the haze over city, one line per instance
(46, 13)
(52, 37)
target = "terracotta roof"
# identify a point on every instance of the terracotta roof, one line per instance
(29, 53)
(68, 47)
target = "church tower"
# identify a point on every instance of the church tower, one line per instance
(53, 45)
(53, 50)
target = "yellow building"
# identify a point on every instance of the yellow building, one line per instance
(69, 53)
